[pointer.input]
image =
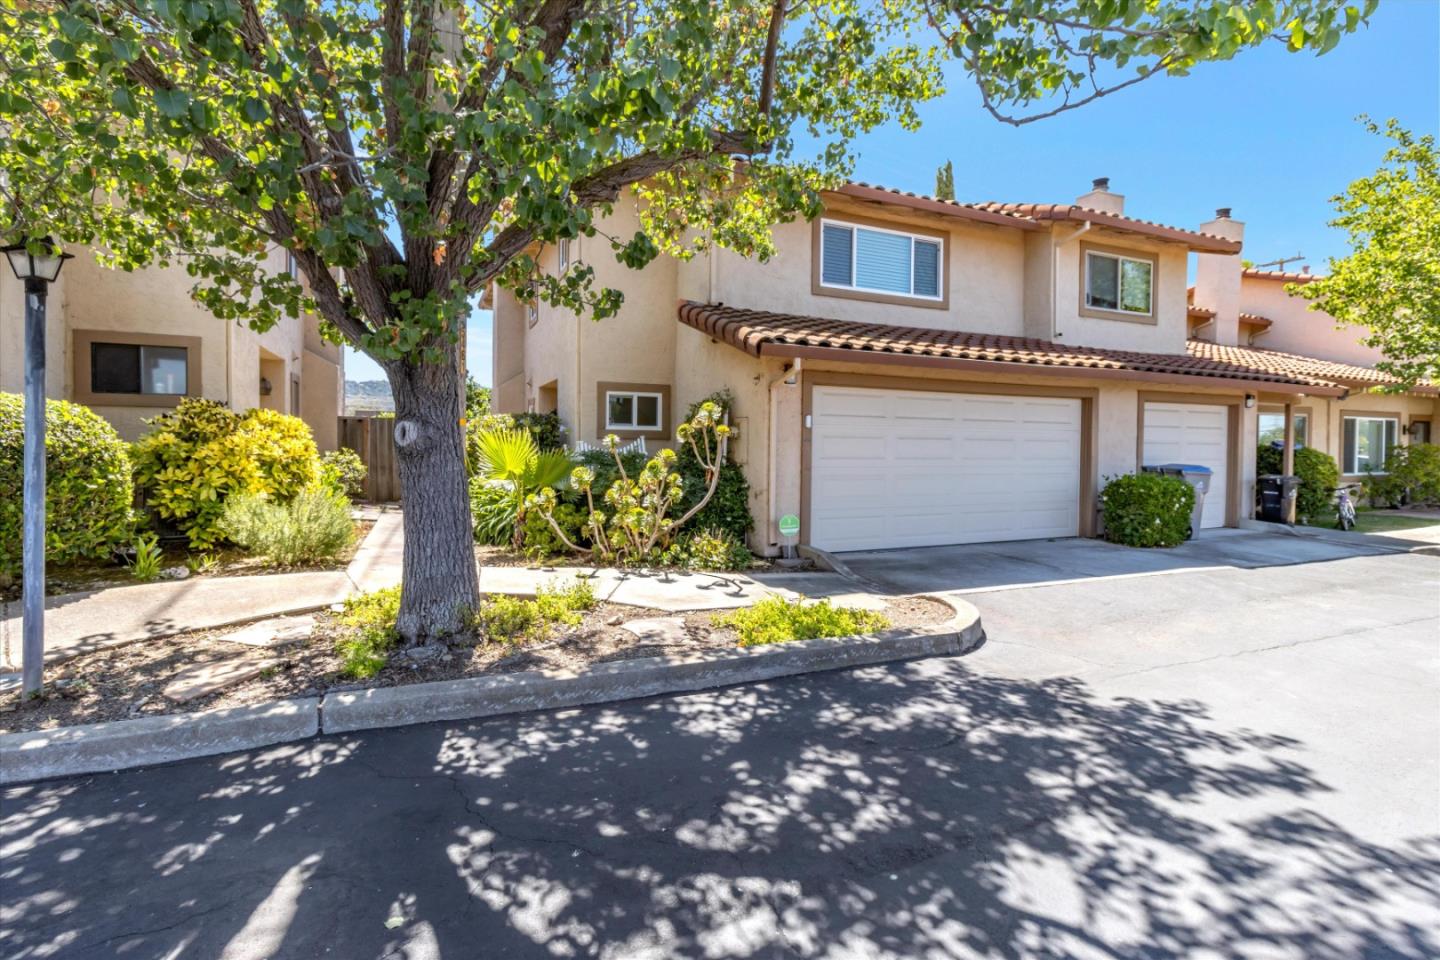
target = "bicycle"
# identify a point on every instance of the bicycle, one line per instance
(1344, 508)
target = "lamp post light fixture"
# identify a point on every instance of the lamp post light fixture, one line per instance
(37, 271)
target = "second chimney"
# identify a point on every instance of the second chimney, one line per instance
(1100, 198)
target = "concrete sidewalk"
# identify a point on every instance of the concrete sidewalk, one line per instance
(79, 623)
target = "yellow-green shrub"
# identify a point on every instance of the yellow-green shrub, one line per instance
(777, 620)
(200, 453)
(87, 484)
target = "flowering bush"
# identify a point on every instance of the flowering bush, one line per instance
(1147, 510)
(638, 527)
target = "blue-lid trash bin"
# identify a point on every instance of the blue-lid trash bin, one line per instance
(1198, 476)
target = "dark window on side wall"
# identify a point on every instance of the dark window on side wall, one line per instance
(135, 369)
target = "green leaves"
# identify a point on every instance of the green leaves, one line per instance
(1390, 281)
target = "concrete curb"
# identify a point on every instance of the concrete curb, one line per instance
(98, 747)
(120, 744)
(527, 691)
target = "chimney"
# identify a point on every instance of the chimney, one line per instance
(1100, 198)
(1217, 279)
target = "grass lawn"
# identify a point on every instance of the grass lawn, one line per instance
(1382, 521)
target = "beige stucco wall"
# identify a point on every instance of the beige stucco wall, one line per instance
(12, 335)
(1166, 335)
(157, 301)
(1326, 425)
(1297, 329)
(985, 273)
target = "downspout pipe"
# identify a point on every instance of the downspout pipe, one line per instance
(789, 376)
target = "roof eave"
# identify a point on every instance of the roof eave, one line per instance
(940, 207)
(847, 355)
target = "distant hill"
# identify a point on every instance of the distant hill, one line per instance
(368, 395)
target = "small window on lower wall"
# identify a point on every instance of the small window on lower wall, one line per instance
(120, 368)
(1272, 428)
(634, 410)
(1368, 442)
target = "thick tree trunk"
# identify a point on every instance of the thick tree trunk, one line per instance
(441, 584)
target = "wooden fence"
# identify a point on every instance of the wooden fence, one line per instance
(373, 439)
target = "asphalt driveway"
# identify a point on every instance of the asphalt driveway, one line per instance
(1221, 762)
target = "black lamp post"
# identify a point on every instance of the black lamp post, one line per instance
(38, 271)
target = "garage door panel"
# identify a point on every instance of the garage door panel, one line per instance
(1192, 433)
(922, 469)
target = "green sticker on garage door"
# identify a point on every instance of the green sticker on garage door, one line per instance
(789, 525)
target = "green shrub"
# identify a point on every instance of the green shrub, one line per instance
(88, 494)
(1147, 510)
(314, 526)
(546, 428)
(777, 620)
(371, 617)
(729, 509)
(602, 465)
(540, 540)
(512, 457)
(492, 510)
(198, 455)
(146, 565)
(343, 471)
(1412, 476)
(715, 550)
(1319, 476)
(512, 619)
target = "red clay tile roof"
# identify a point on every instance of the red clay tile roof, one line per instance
(1032, 216)
(1285, 275)
(1200, 313)
(1255, 320)
(762, 333)
(1293, 364)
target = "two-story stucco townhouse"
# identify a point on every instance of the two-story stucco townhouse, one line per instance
(132, 345)
(1252, 308)
(909, 371)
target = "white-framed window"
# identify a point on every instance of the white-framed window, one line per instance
(564, 255)
(630, 410)
(1368, 442)
(1272, 428)
(1122, 284)
(532, 312)
(292, 266)
(877, 260)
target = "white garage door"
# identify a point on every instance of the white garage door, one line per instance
(902, 468)
(1192, 433)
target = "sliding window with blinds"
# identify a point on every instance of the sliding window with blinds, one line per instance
(874, 260)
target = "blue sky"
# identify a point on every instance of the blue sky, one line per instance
(1271, 134)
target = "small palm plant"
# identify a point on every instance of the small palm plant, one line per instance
(511, 456)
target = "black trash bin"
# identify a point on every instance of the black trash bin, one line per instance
(1276, 493)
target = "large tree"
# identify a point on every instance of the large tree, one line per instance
(1390, 280)
(411, 152)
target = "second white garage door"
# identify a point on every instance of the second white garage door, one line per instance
(903, 468)
(1192, 433)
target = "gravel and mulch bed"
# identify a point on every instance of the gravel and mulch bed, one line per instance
(224, 562)
(127, 682)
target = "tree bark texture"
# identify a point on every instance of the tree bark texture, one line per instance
(441, 585)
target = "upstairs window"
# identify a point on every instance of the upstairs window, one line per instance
(563, 255)
(1121, 284)
(876, 260)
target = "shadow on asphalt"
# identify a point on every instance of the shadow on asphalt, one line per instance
(915, 810)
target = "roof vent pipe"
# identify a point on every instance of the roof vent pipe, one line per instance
(1222, 213)
(1100, 183)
